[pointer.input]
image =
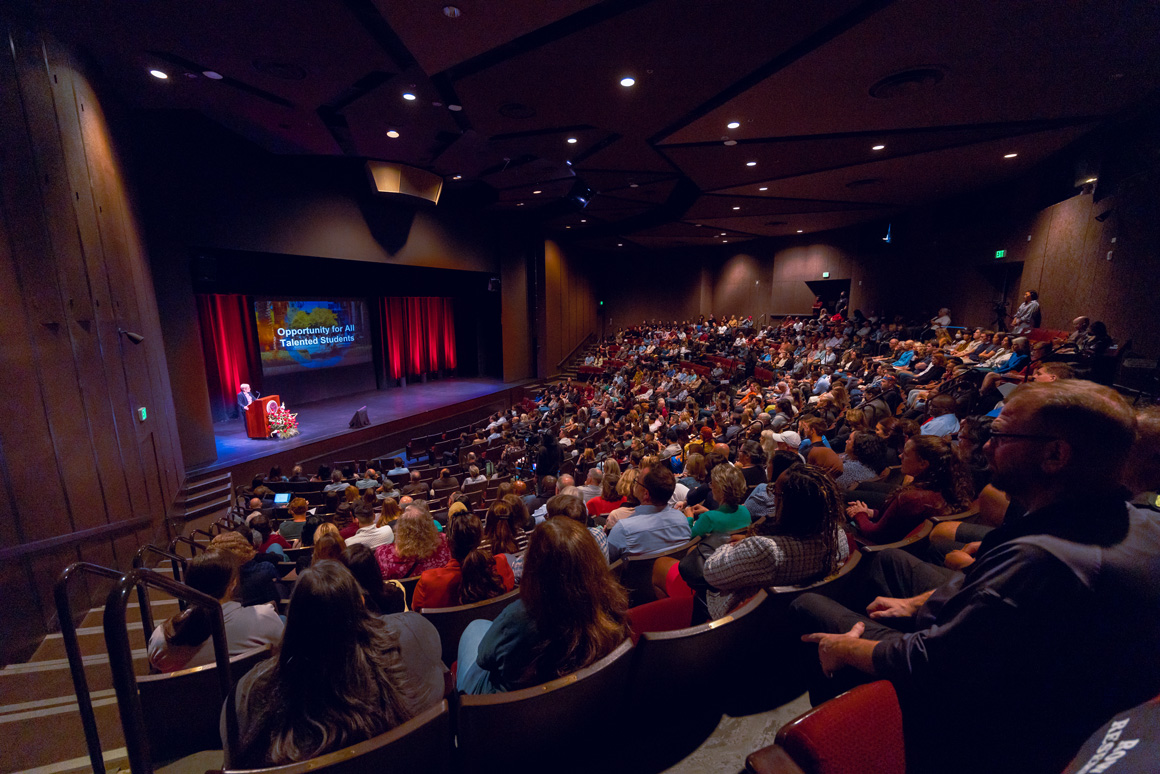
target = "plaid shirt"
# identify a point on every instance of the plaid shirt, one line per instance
(738, 570)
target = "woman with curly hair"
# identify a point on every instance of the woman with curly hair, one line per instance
(802, 543)
(338, 678)
(939, 485)
(418, 545)
(571, 613)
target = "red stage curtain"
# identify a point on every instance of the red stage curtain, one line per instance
(230, 344)
(418, 335)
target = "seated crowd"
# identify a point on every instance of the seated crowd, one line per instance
(779, 450)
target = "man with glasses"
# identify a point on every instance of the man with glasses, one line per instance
(1051, 631)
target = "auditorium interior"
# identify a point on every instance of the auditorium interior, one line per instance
(536, 175)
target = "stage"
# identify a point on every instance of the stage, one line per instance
(396, 415)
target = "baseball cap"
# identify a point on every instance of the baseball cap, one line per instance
(789, 438)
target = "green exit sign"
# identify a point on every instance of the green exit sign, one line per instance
(825, 275)
(142, 414)
(1000, 254)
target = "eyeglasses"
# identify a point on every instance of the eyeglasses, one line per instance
(999, 436)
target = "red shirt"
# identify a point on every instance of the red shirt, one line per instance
(440, 587)
(598, 506)
(274, 540)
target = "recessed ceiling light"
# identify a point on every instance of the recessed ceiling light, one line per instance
(408, 96)
(633, 185)
(451, 12)
(519, 204)
(763, 188)
(583, 220)
(724, 241)
(457, 177)
(567, 227)
(620, 244)
(537, 192)
(731, 142)
(723, 234)
(1010, 155)
(627, 81)
(736, 208)
(455, 108)
(212, 75)
(571, 140)
(393, 134)
(879, 147)
(751, 163)
(799, 231)
(158, 74)
(733, 124)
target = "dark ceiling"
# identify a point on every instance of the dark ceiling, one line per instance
(949, 88)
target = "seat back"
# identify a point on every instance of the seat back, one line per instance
(835, 737)
(423, 743)
(696, 654)
(636, 573)
(183, 709)
(551, 727)
(663, 615)
(451, 621)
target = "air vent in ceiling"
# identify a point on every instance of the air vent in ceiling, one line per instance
(286, 71)
(516, 110)
(907, 82)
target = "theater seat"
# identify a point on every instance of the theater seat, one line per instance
(423, 744)
(859, 732)
(663, 615)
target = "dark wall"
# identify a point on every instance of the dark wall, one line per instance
(84, 477)
(569, 307)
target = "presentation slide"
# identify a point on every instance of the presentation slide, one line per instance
(299, 334)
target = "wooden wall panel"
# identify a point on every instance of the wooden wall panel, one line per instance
(72, 271)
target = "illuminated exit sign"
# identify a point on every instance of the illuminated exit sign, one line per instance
(1000, 254)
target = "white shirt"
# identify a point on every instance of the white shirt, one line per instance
(372, 537)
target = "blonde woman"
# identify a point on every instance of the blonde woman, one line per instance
(418, 545)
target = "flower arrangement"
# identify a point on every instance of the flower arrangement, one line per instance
(283, 424)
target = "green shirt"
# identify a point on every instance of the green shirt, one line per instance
(721, 520)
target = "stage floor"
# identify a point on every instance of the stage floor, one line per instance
(329, 418)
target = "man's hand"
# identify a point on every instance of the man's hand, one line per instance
(829, 647)
(893, 607)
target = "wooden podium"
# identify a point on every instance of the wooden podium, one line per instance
(258, 416)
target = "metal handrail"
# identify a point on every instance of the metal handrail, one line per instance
(76, 664)
(121, 659)
(183, 540)
(178, 565)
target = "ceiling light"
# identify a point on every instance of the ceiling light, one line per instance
(620, 244)
(451, 12)
(633, 185)
(1091, 180)
(567, 227)
(537, 192)
(158, 74)
(571, 140)
(393, 134)
(879, 147)
(723, 234)
(1010, 155)
(455, 108)
(799, 231)
(519, 204)
(763, 188)
(457, 177)
(751, 163)
(733, 124)
(627, 81)
(724, 241)
(731, 142)
(212, 75)
(408, 96)
(583, 220)
(736, 208)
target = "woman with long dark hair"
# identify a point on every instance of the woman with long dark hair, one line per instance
(471, 575)
(184, 640)
(337, 679)
(571, 613)
(939, 485)
(802, 543)
(502, 532)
